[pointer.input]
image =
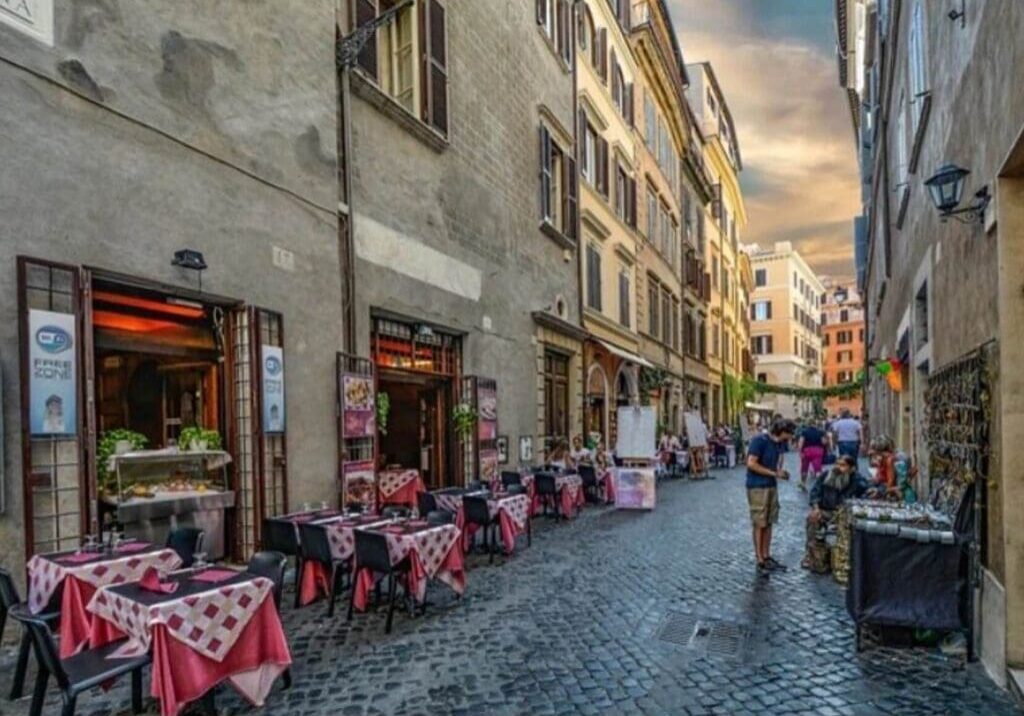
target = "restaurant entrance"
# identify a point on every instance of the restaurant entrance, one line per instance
(417, 368)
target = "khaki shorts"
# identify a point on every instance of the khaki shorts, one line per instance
(764, 506)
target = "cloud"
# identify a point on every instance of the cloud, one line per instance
(775, 62)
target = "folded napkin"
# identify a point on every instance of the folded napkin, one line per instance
(79, 558)
(418, 523)
(132, 546)
(151, 583)
(394, 529)
(214, 575)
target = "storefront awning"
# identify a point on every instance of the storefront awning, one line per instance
(626, 355)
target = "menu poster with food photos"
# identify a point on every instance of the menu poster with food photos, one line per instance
(488, 466)
(358, 406)
(487, 409)
(635, 488)
(359, 484)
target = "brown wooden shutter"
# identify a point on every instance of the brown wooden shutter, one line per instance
(545, 173)
(569, 181)
(616, 85)
(366, 11)
(564, 31)
(631, 201)
(602, 67)
(627, 105)
(602, 166)
(542, 12)
(434, 65)
(624, 20)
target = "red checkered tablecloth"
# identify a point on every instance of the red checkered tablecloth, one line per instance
(450, 502)
(516, 507)
(391, 481)
(209, 622)
(570, 491)
(47, 572)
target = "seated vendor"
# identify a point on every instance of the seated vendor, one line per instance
(830, 490)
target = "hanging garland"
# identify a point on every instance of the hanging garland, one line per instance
(842, 390)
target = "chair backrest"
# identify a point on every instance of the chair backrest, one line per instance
(372, 551)
(511, 478)
(440, 517)
(280, 536)
(474, 485)
(475, 510)
(517, 489)
(588, 475)
(186, 541)
(544, 482)
(9, 596)
(355, 507)
(270, 565)
(315, 544)
(46, 649)
(426, 503)
(392, 511)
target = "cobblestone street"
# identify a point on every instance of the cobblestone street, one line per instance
(584, 623)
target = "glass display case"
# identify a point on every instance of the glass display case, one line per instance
(155, 491)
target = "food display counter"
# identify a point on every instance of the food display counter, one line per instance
(155, 491)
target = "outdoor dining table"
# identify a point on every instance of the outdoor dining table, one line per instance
(214, 625)
(79, 574)
(400, 486)
(513, 513)
(315, 579)
(569, 489)
(434, 551)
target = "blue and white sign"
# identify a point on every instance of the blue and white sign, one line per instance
(53, 377)
(273, 389)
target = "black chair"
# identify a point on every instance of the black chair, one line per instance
(82, 672)
(547, 491)
(372, 553)
(281, 535)
(588, 475)
(476, 512)
(271, 565)
(186, 541)
(440, 517)
(316, 547)
(9, 599)
(395, 512)
(357, 508)
(426, 503)
(510, 478)
(519, 489)
(474, 485)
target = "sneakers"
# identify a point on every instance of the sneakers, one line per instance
(775, 566)
(763, 570)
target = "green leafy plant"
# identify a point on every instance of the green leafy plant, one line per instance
(197, 434)
(652, 379)
(107, 446)
(464, 416)
(383, 411)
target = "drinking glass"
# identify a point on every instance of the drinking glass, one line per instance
(305, 507)
(199, 561)
(323, 505)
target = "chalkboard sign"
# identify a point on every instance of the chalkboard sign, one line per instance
(637, 434)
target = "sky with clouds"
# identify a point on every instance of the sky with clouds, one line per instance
(776, 63)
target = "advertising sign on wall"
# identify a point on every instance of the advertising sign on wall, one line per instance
(487, 405)
(359, 484)
(273, 389)
(53, 377)
(358, 406)
(488, 466)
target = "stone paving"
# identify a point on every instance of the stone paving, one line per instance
(599, 617)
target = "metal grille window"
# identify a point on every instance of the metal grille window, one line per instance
(274, 457)
(416, 347)
(245, 497)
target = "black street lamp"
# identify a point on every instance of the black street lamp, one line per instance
(946, 188)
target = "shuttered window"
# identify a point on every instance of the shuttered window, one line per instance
(624, 308)
(366, 11)
(558, 189)
(593, 277)
(435, 65)
(653, 304)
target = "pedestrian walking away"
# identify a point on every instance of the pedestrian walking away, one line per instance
(848, 433)
(764, 468)
(812, 445)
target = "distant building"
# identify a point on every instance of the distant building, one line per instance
(785, 336)
(842, 341)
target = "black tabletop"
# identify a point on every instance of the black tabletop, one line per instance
(102, 555)
(187, 587)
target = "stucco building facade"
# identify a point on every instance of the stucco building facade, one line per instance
(842, 343)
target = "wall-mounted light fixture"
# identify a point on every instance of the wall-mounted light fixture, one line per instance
(960, 14)
(192, 260)
(946, 188)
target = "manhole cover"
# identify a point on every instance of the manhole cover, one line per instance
(704, 636)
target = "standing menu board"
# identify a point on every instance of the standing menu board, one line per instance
(696, 431)
(636, 436)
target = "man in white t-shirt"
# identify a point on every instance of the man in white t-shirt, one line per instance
(848, 433)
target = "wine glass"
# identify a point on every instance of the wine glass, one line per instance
(306, 507)
(323, 506)
(199, 561)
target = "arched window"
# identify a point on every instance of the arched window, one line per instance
(585, 32)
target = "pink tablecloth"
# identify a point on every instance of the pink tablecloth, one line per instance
(606, 482)
(230, 633)
(513, 513)
(340, 533)
(400, 487)
(434, 551)
(570, 494)
(81, 577)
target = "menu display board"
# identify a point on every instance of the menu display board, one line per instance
(358, 406)
(359, 484)
(487, 409)
(635, 488)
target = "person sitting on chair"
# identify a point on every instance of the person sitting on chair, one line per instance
(830, 490)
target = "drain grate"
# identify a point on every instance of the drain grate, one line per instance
(704, 636)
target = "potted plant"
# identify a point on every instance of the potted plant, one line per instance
(383, 411)
(115, 442)
(199, 439)
(464, 416)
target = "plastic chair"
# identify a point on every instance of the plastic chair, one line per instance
(80, 673)
(9, 599)
(372, 553)
(271, 565)
(426, 503)
(395, 512)
(186, 541)
(476, 512)
(440, 517)
(588, 475)
(316, 547)
(508, 479)
(282, 535)
(547, 490)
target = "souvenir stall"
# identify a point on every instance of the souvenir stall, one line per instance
(913, 565)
